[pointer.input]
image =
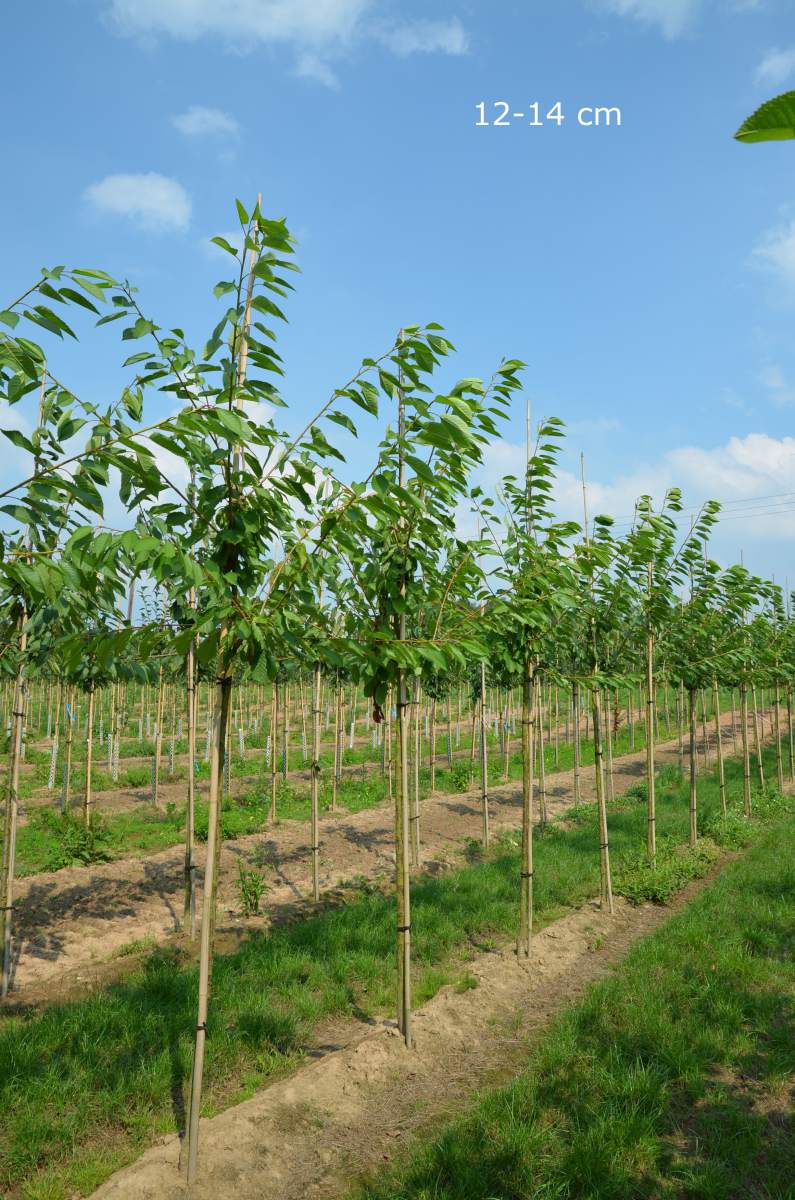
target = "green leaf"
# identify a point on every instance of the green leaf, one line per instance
(774, 121)
(225, 245)
(9, 318)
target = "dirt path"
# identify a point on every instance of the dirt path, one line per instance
(313, 1135)
(70, 925)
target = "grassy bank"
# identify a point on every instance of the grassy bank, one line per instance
(673, 1079)
(85, 1086)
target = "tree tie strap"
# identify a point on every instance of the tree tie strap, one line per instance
(404, 929)
(526, 875)
(202, 1028)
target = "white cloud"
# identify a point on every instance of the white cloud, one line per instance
(779, 388)
(754, 476)
(426, 37)
(311, 66)
(198, 121)
(776, 67)
(152, 202)
(317, 30)
(672, 17)
(775, 252)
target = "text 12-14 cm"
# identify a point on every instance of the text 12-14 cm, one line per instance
(500, 113)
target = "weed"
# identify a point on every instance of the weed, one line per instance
(251, 887)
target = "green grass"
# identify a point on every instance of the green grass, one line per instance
(673, 1079)
(86, 1085)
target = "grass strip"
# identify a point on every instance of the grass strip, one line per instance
(85, 1086)
(673, 1079)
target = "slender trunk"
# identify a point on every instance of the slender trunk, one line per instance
(575, 708)
(402, 876)
(314, 780)
(746, 749)
(67, 767)
(189, 909)
(484, 771)
(12, 810)
(611, 783)
(88, 799)
(415, 792)
(651, 798)
(680, 723)
(542, 778)
(337, 772)
(719, 746)
(604, 846)
(432, 747)
(790, 744)
(777, 736)
(758, 739)
(693, 767)
(526, 868)
(274, 747)
(223, 694)
(158, 738)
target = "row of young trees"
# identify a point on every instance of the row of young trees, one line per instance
(264, 555)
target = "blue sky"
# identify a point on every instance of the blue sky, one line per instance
(645, 273)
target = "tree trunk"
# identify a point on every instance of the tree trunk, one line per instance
(526, 868)
(415, 794)
(693, 694)
(314, 780)
(575, 709)
(12, 812)
(189, 908)
(604, 846)
(746, 749)
(88, 799)
(758, 739)
(719, 746)
(274, 747)
(777, 736)
(651, 797)
(223, 694)
(484, 766)
(158, 738)
(67, 767)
